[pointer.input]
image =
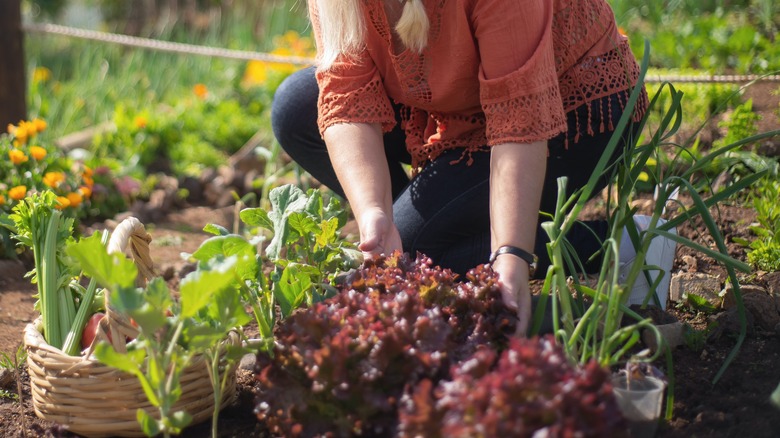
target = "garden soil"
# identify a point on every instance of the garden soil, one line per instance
(737, 405)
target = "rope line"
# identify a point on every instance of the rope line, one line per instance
(165, 46)
(191, 49)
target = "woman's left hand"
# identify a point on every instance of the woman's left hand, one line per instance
(513, 281)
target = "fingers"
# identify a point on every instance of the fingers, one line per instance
(378, 235)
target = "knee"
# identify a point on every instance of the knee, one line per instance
(294, 106)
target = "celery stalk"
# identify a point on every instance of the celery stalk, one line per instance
(48, 277)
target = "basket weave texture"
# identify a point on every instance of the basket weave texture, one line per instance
(95, 400)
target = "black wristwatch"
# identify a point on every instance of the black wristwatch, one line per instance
(531, 259)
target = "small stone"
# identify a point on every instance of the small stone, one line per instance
(248, 362)
(691, 264)
(7, 377)
(729, 300)
(728, 323)
(703, 285)
(763, 309)
(671, 334)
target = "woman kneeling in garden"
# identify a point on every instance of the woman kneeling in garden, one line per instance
(489, 101)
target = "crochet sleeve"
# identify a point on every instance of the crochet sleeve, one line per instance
(351, 91)
(518, 82)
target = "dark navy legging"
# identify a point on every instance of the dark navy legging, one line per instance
(443, 212)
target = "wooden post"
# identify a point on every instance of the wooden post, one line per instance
(13, 103)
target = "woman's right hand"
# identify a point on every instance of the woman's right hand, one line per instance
(378, 234)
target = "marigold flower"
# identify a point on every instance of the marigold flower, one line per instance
(17, 193)
(62, 203)
(200, 90)
(85, 191)
(20, 134)
(38, 153)
(32, 129)
(88, 181)
(2, 200)
(87, 171)
(17, 157)
(40, 124)
(53, 179)
(10, 129)
(75, 199)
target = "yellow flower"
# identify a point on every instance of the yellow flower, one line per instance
(256, 73)
(75, 199)
(20, 133)
(643, 176)
(30, 128)
(85, 191)
(17, 157)
(200, 90)
(140, 122)
(41, 74)
(38, 152)
(40, 124)
(53, 179)
(62, 203)
(17, 193)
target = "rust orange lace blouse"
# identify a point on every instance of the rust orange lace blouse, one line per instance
(494, 71)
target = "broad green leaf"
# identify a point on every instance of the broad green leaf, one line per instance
(334, 210)
(219, 247)
(127, 300)
(202, 337)
(302, 224)
(216, 230)
(130, 362)
(327, 233)
(284, 201)
(228, 311)
(314, 203)
(149, 424)
(290, 290)
(256, 217)
(110, 270)
(198, 287)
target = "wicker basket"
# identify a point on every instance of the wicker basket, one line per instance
(95, 400)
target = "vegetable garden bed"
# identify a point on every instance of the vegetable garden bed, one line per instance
(737, 405)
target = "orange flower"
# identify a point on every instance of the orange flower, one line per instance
(20, 134)
(622, 31)
(200, 90)
(75, 199)
(62, 203)
(40, 124)
(17, 157)
(87, 171)
(17, 193)
(140, 122)
(38, 152)
(85, 191)
(53, 179)
(88, 181)
(10, 128)
(2, 200)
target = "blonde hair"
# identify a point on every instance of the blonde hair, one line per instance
(342, 28)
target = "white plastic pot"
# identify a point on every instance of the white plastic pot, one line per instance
(640, 401)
